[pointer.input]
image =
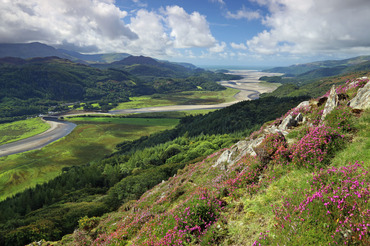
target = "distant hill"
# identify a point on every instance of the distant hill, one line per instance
(100, 58)
(59, 79)
(143, 66)
(30, 50)
(299, 69)
(36, 49)
(31, 86)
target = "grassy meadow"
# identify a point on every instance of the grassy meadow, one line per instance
(181, 98)
(91, 140)
(14, 131)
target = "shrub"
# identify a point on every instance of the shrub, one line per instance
(315, 149)
(334, 211)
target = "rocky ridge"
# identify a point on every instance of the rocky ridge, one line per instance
(293, 119)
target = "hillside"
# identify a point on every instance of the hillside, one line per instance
(33, 86)
(316, 87)
(297, 179)
(302, 178)
(327, 66)
(36, 49)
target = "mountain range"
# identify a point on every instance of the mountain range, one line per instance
(327, 68)
(36, 49)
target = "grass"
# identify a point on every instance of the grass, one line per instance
(182, 98)
(14, 131)
(91, 140)
(359, 148)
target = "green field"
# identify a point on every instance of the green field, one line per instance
(181, 98)
(91, 140)
(14, 131)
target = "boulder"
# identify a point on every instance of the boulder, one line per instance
(253, 144)
(288, 122)
(362, 99)
(303, 104)
(331, 103)
(299, 118)
(223, 160)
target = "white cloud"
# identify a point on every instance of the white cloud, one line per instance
(309, 26)
(188, 30)
(240, 46)
(100, 26)
(152, 38)
(218, 1)
(83, 23)
(217, 48)
(243, 14)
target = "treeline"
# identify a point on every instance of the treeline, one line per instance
(53, 209)
(242, 118)
(31, 83)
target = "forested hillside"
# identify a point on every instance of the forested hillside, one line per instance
(301, 180)
(53, 209)
(299, 69)
(30, 87)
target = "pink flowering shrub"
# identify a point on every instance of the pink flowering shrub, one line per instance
(190, 221)
(335, 210)
(269, 146)
(315, 148)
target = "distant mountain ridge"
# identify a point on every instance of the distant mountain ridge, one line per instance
(299, 69)
(36, 49)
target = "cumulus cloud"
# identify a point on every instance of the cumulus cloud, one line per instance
(303, 26)
(83, 22)
(240, 46)
(243, 14)
(217, 48)
(152, 38)
(218, 1)
(188, 30)
(100, 26)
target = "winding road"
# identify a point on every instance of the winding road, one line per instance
(57, 130)
(250, 88)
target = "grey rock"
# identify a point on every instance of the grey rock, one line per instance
(223, 160)
(362, 99)
(288, 122)
(299, 118)
(253, 144)
(303, 104)
(331, 103)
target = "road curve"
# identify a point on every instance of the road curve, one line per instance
(249, 86)
(57, 130)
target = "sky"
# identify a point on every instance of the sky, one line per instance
(203, 32)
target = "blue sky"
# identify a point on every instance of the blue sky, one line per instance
(214, 32)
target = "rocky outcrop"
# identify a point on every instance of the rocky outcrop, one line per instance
(331, 103)
(237, 151)
(362, 99)
(223, 160)
(293, 119)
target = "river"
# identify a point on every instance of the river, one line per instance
(250, 88)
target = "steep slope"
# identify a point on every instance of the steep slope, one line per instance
(295, 180)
